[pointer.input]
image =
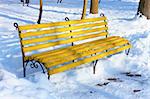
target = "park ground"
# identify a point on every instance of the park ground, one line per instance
(79, 83)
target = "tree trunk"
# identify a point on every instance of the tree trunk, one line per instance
(144, 8)
(94, 6)
(84, 9)
(22, 2)
(27, 2)
(40, 13)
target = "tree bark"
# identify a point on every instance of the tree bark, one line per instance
(27, 2)
(22, 2)
(144, 8)
(94, 6)
(84, 9)
(40, 13)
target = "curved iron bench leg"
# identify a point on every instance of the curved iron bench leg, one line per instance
(94, 66)
(33, 64)
(127, 52)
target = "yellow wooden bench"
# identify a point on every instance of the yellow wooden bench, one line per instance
(49, 44)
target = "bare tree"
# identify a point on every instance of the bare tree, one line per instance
(22, 2)
(144, 8)
(40, 13)
(84, 9)
(94, 6)
(25, 1)
(59, 1)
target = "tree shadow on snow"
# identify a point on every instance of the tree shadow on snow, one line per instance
(11, 56)
(119, 5)
(55, 11)
(17, 19)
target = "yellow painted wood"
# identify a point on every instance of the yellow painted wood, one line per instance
(84, 9)
(87, 46)
(62, 29)
(61, 51)
(50, 44)
(80, 49)
(75, 47)
(54, 24)
(50, 63)
(81, 52)
(46, 38)
(87, 60)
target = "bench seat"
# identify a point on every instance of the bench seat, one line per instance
(65, 56)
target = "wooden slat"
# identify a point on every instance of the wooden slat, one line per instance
(87, 60)
(71, 50)
(50, 44)
(50, 63)
(75, 47)
(47, 38)
(64, 29)
(53, 24)
(84, 51)
(38, 56)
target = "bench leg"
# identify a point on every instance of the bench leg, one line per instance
(32, 64)
(42, 68)
(48, 77)
(24, 69)
(59, 1)
(94, 66)
(27, 4)
(127, 52)
(23, 2)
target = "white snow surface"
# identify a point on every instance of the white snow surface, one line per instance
(78, 83)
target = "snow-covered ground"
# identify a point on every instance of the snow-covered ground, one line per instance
(78, 83)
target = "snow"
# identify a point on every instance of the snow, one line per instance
(79, 83)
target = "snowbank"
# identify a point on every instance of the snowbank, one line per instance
(78, 83)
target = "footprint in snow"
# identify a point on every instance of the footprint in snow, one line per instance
(109, 81)
(130, 74)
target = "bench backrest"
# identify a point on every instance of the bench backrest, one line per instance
(39, 36)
